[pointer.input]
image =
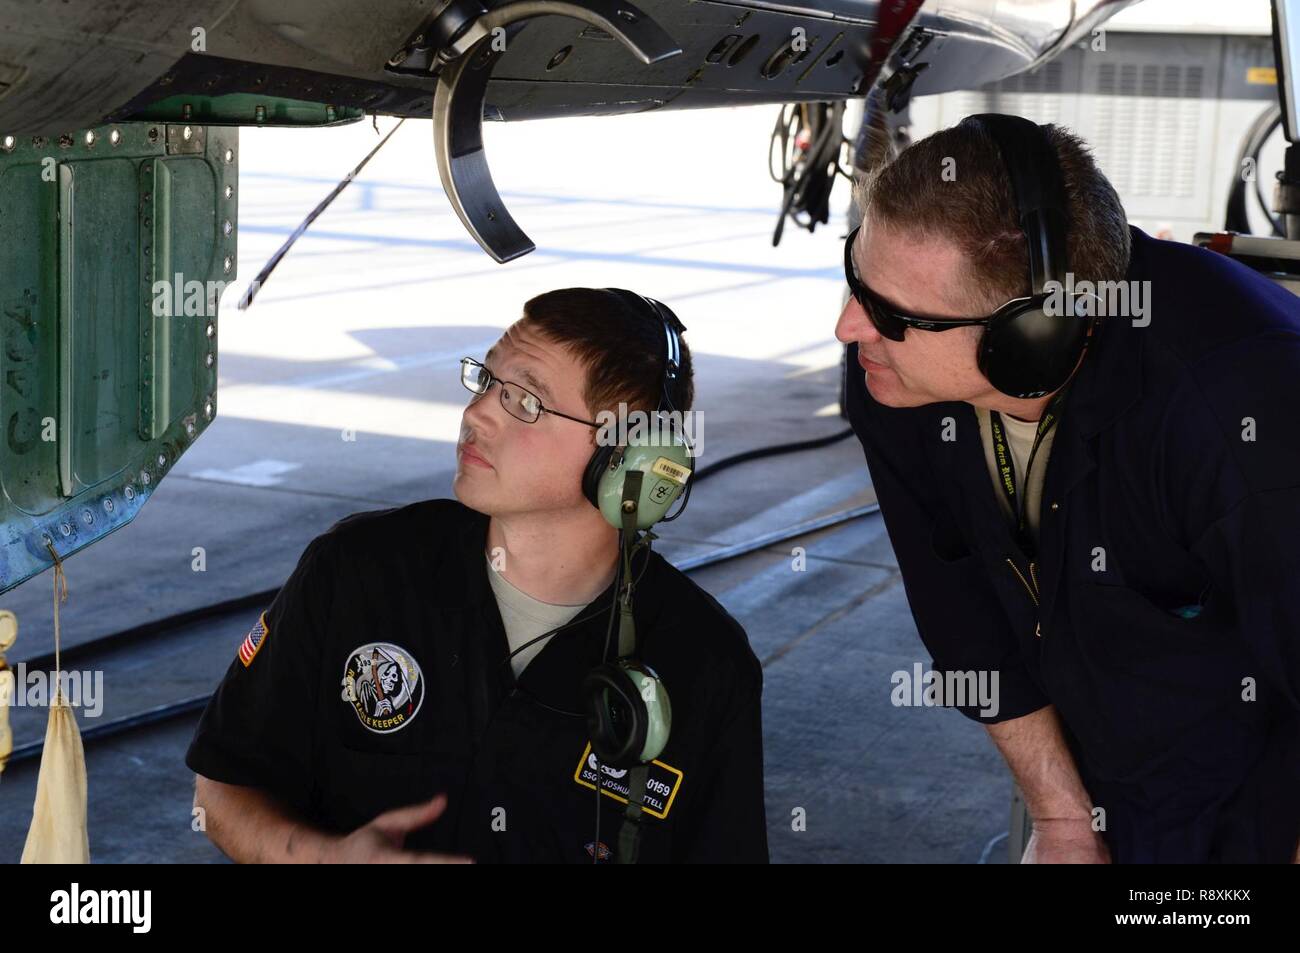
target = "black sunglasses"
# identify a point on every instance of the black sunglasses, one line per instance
(892, 322)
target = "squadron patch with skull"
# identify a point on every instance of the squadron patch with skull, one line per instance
(384, 685)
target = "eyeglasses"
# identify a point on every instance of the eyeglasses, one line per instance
(519, 402)
(890, 321)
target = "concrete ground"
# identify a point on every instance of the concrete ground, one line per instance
(361, 329)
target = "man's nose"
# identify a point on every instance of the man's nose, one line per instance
(854, 325)
(483, 413)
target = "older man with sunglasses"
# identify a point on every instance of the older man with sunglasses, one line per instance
(1122, 549)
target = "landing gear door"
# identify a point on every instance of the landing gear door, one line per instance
(115, 246)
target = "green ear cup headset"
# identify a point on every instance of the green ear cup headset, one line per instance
(657, 450)
(629, 713)
(628, 710)
(1026, 351)
(633, 484)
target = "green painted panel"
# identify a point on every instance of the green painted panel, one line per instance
(115, 246)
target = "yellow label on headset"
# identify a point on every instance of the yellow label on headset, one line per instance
(673, 471)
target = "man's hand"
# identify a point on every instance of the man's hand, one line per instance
(1065, 841)
(380, 841)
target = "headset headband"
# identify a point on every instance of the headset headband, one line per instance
(658, 311)
(1034, 170)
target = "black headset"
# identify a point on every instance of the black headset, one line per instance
(1031, 347)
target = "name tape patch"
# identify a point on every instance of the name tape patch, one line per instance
(661, 786)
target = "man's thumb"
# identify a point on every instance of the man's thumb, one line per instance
(403, 819)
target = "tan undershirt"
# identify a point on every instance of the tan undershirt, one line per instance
(1020, 436)
(526, 618)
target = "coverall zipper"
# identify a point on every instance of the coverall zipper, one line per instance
(1032, 590)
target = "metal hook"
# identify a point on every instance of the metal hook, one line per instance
(458, 109)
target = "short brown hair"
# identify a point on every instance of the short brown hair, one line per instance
(975, 209)
(622, 347)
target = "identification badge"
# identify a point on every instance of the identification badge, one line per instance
(661, 785)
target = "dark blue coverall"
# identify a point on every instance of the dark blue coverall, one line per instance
(1176, 668)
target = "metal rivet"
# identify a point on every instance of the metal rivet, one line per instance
(129, 492)
(162, 460)
(153, 134)
(211, 329)
(108, 505)
(144, 477)
(189, 428)
(229, 155)
(207, 408)
(90, 137)
(187, 133)
(9, 143)
(1056, 506)
(226, 263)
(226, 227)
(229, 191)
(87, 517)
(114, 137)
(65, 529)
(209, 359)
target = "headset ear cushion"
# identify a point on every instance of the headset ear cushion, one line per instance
(1030, 352)
(618, 745)
(595, 468)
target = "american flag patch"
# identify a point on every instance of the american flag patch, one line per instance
(253, 641)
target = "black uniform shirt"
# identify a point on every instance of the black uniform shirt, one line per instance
(381, 680)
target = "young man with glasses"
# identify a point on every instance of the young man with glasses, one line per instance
(414, 693)
(1148, 642)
